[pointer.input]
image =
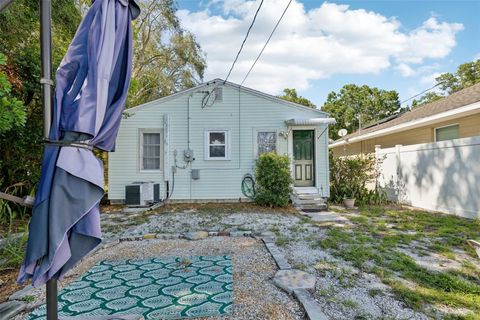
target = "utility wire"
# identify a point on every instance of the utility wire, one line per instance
(420, 93)
(266, 43)
(244, 40)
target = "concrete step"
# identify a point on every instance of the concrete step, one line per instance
(308, 197)
(308, 201)
(313, 208)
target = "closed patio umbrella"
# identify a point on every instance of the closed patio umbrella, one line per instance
(91, 87)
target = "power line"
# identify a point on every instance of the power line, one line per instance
(244, 40)
(426, 90)
(266, 43)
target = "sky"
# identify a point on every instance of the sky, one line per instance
(321, 46)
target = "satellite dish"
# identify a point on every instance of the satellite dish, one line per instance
(342, 132)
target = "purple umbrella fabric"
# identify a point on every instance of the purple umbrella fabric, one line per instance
(92, 84)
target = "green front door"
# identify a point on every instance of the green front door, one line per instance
(303, 158)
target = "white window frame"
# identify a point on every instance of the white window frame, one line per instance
(255, 139)
(141, 132)
(227, 144)
(449, 125)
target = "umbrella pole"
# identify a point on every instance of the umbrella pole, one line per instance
(47, 89)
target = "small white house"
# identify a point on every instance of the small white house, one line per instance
(198, 144)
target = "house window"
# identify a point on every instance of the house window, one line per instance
(150, 150)
(216, 143)
(266, 141)
(447, 133)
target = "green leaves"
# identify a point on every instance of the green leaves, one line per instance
(12, 110)
(291, 95)
(273, 180)
(355, 105)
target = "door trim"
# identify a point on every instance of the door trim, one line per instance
(314, 174)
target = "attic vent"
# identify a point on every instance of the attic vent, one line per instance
(218, 94)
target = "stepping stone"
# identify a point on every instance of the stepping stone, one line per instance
(290, 280)
(10, 309)
(312, 307)
(197, 235)
(326, 217)
(21, 294)
(278, 256)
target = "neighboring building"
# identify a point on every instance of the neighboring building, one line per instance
(198, 144)
(453, 117)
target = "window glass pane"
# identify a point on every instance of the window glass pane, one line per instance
(217, 151)
(151, 163)
(151, 151)
(217, 138)
(447, 133)
(151, 138)
(266, 141)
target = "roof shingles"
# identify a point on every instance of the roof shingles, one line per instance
(456, 100)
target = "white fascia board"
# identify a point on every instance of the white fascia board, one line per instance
(439, 117)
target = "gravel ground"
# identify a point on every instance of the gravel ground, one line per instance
(255, 296)
(344, 292)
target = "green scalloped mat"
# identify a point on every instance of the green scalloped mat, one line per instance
(159, 288)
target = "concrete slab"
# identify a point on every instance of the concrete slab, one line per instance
(290, 280)
(10, 309)
(312, 308)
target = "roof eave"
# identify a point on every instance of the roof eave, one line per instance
(439, 117)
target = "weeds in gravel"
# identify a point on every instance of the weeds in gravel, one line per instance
(12, 251)
(282, 240)
(373, 245)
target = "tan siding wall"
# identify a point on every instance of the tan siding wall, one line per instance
(469, 127)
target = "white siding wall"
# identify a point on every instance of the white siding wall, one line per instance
(219, 179)
(441, 176)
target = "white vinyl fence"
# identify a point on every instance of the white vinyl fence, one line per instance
(442, 176)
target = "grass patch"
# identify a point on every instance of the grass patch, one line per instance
(282, 240)
(12, 251)
(374, 243)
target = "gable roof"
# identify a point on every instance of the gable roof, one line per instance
(452, 102)
(231, 84)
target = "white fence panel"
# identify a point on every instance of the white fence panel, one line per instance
(442, 176)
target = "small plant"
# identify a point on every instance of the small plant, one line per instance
(350, 177)
(12, 251)
(273, 180)
(281, 241)
(28, 298)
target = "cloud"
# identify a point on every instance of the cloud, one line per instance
(405, 70)
(313, 44)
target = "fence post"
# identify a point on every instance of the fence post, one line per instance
(377, 165)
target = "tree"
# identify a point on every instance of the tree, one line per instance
(359, 104)
(466, 75)
(167, 58)
(12, 110)
(427, 98)
(291, 95)
(21, 148)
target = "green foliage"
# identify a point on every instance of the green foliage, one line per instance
(12, 110)
(12, 251)
(427, 98)
(21, 148)
(466, 75)
(359, 104)
(273, 180)
(166, 57)
(349, 177)
(291, 95)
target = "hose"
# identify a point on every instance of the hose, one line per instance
(248, 186)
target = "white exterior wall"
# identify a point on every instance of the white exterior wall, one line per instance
(442, 176)
(219, 179)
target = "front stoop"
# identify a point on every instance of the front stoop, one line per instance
(312, 205)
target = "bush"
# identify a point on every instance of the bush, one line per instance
(349, 177)
(273, 180)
